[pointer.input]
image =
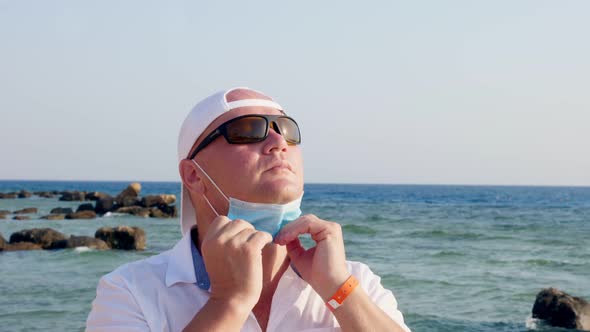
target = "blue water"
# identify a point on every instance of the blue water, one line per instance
(458, 258)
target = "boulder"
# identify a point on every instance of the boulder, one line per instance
(560, 309)
(105, 204)
(134, 210)
(21, 218)
(46, 194)
(129, 201)
(41, 236)
(85, 207)
(26, 210)
(129, 196)
(2, 242)
(168, 210)
(5, 212)
(2, 216)
(8, 195)
(24, 194)
(157, 213)
(95, 196)
(60, 210)
(163, 211)
(154, 200)
(122, 237)
(80, 241)
(23, 246)
(54, 216)
(69, 196)
(81, 215)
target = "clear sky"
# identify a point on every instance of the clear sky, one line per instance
(426, 92)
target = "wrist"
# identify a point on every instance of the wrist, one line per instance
(235, 306)
(341, 295)
(329, 287)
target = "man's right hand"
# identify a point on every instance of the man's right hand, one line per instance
(232, 251)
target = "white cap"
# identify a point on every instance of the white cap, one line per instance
(199, 118)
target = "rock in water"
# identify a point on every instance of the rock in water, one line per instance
(23, 246)
(41, 236)
(153, 200)
(122, 237)
(129, 196)
(2, 242)
(26, 210)
(60, 210)
(24, 194)
(560, 309)
(72, 196)
(134, 210)
(82, 215)
(85, 207)
(105, 204)
(21, 218)
(44, 194)
(163, 211)
(54, 216)
(80, 241)
(86, 241)
(95, 196)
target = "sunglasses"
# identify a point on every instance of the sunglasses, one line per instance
(253, 128)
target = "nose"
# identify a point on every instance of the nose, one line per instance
(274, 142)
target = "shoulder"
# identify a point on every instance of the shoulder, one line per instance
(149, 270)
(363, 273)
(370, 281)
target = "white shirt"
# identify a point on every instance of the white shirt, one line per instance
(162, 293)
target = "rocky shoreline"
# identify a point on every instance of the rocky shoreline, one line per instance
(120, 237)
(94, 204)
(127, 201)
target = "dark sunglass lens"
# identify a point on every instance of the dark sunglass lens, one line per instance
(289, 130)
(246, 130)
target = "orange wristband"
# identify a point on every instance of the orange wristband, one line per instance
(342, 293)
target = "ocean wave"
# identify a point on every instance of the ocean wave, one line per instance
(358, 229)
(447, 253)
(440, 234)
(114, 214)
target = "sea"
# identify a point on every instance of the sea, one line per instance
(457, 258)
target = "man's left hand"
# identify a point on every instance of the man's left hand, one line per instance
(322, 266)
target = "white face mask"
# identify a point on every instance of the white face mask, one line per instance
(264, 217)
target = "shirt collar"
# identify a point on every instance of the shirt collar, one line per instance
(185, 265)
(200, 272)
(185, 255)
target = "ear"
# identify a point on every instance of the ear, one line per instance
(190, 177)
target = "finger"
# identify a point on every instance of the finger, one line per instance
(232, 228)
(259, 239)
(240, 238)
(295, 249)
(308, 224)
(216, 225)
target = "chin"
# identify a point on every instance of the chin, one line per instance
(282, 191)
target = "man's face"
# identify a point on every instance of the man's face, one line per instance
(270, 171)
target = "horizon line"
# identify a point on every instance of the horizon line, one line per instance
(327, 183)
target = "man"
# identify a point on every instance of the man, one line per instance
(240, 265)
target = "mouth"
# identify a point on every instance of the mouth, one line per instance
(281, 165)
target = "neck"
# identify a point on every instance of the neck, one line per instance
(274, 264)
(274, 257)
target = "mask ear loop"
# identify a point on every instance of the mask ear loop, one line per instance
(214, 184)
